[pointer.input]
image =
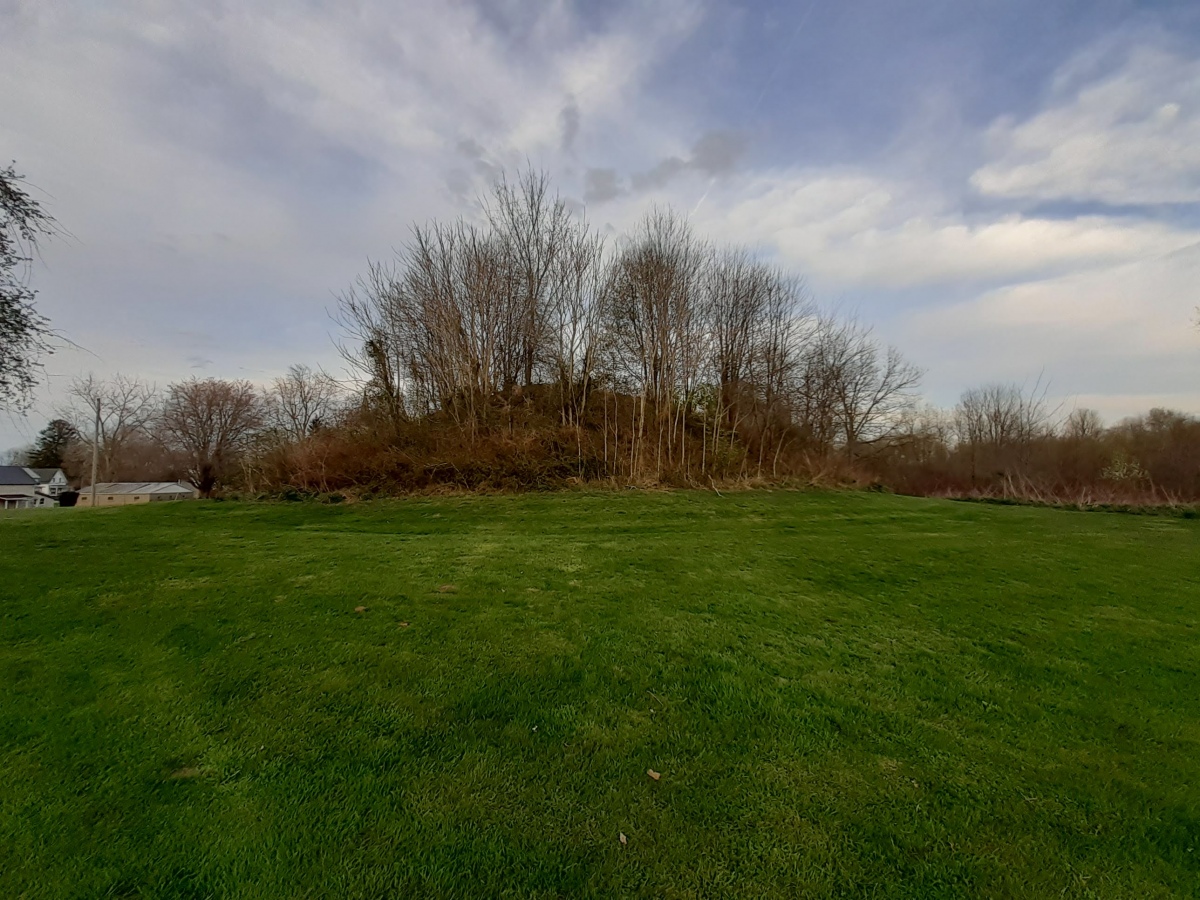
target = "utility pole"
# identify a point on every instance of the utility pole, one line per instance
(95, 451)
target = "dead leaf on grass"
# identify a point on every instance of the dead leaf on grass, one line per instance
(447, 588)
(653, 774)
(403, 624)
(360, 609)
(185, 773)
(624, 840)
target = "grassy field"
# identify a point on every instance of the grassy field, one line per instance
(844, 695)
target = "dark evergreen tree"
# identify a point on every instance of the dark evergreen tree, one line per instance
(50, 450)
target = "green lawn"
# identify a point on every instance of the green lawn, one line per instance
(845, 695)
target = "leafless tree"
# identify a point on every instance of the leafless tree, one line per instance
(924, 435)
(759, 321)
(16, 456)
(128, 409)
(1001, 415)
(853, 391)
(876, 386)
(208, 421)
(998, 424)
(736, 290)
(706, 357)
(656, 323)
(469, 317)
(573, 319)
(301, 401)
(1083, 424)
(428, 332)
(533, 230)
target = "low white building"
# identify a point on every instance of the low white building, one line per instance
(124, 493)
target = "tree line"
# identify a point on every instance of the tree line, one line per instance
(658, 356)
(205, 431)
(524, 349)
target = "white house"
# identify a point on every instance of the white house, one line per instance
(19, 489)
(51, 482)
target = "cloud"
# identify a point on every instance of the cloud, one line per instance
(601, 185)
(1144, 303)
(715, 153)
(718, 152)
(1122, 331)
(660, 176)
(226, 169)
(1127, 136)
(855, 229)
(568, 120)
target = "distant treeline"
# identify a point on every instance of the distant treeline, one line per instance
(524, 351)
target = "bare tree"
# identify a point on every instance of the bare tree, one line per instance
(464, 338)
(998, 424)
(924, 436)
(16, 456)
(375, 320)
(1083, 424)
(209, 421)
(655, 317)
(533, 229)
(301, 401)
(853, 391)
(735, 292)
(573, 319)
(128, 408)
(758, 321)
(1001, 415)
(708, 359)
(468, 316)
(876, 386)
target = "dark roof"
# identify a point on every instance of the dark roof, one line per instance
(45, 474)
(11, 475)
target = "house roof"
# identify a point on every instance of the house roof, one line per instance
(14, 475)
(45, 474)
(139, 487)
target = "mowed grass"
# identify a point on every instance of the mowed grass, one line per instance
(845, 695)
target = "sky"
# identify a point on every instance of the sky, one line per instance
(1007, 190)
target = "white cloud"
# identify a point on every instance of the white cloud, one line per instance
(1143, 306)
(224, 169)
(858, 231)
(1120, 332)
(1131, 136)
